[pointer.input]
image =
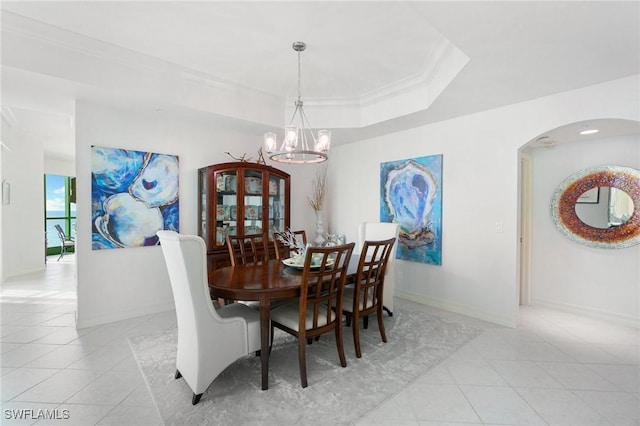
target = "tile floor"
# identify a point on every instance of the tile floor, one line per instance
(554, 369)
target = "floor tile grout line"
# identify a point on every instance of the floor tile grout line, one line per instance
(418, 378)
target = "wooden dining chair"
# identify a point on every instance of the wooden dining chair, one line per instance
(282, 250)
(247, 249)
(376, 231)
(365, 296)
(315, 313)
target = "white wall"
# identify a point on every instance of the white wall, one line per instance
(24, 163)
(122, 283)
(2, 149)
(479, 271)
(59, 166)
(23, 218)
(480, 173)
(568, 275)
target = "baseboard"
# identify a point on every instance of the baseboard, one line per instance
(22, 273)
(612, 317)
(122, 315)
(457, 308)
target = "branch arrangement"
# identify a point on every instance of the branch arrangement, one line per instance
(319, 189)
(289, 239)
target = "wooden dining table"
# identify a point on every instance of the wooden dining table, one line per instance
(264, 283)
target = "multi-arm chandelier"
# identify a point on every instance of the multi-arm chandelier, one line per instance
(295, 147)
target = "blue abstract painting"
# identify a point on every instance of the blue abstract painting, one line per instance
(134, 194)
(411, 195)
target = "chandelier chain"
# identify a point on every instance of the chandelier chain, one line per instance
(299, 77)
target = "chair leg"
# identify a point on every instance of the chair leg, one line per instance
(388, 311)
(61, 253)
(356, 338)
(271, 338)
(383, 334)
(343, 360)
(196, 398)
(178, 374)
(302, 360)
(365, 322)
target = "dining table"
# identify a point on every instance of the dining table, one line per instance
(263, 282)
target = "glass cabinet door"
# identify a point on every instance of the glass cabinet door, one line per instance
(204, 213)
(226, 206)
(276, 204)
(252, 202)
(240, 198)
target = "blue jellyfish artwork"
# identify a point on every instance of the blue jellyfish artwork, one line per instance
(134, 194)
(411, 195)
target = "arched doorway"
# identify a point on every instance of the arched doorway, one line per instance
(553, 270)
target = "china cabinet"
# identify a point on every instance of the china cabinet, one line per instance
(240, 198)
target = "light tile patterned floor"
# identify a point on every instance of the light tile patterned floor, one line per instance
(554, 369)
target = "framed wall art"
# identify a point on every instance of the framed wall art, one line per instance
(134, 194)
(411, 195)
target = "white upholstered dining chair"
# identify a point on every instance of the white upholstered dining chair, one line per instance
(377, 231)
(209, 339)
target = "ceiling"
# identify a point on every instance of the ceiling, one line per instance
(369, 67)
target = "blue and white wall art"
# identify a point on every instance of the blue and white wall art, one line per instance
(411, 195)
(134, 194)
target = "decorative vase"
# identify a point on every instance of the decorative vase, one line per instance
(319, 240)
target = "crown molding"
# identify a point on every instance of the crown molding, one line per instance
(192, 88)
(89, 47)
(409, 95)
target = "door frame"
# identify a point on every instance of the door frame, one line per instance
(524, 227)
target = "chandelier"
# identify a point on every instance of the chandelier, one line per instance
(298, 138)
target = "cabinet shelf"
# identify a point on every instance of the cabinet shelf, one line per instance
(230, 192)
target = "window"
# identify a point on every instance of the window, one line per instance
(59, 210)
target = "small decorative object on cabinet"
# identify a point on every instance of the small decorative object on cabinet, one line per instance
(240, 198)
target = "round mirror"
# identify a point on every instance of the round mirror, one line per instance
(604, 207)
(599, 207)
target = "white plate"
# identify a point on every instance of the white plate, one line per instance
(292, 263)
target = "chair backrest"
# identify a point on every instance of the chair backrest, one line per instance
(247, 249)
(369, 283)
(323, 279)
(186, 260)
(377, 231)
(61, 233)
(283, 251)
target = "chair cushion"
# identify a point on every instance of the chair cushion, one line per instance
(347, 304)
(251, 316)
(287, 315)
